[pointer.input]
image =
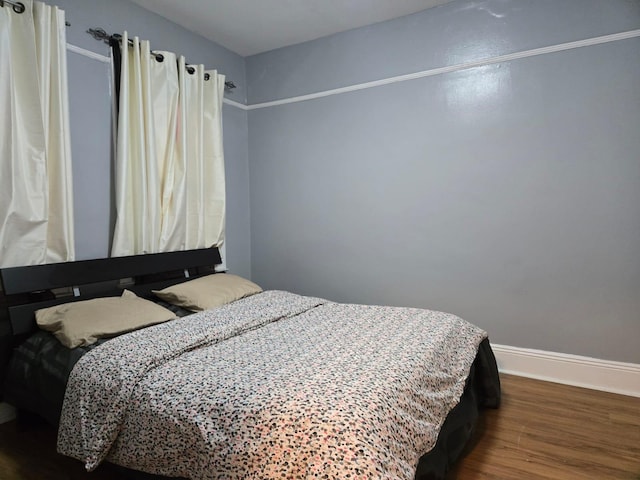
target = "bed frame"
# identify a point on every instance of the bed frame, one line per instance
(27, 289)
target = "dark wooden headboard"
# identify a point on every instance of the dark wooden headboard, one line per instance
(26, 289)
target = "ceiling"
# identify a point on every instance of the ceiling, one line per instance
(247, 27)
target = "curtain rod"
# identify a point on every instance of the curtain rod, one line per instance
(101, 35)
(18, 7)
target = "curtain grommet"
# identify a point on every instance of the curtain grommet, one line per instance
(19, 7)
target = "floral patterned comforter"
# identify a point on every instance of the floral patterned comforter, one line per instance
(275, 385)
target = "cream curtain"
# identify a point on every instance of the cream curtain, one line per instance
(36, 202)
(170, 190)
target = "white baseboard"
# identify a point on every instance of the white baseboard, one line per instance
(7, 413)
(605, 375)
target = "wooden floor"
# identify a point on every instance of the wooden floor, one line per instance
(542, 431)
(550, 431)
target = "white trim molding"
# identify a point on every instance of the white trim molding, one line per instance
(411, 76)
(233, 103)
(453, 68)
(7, 413)
(88, 53)
(609, 376)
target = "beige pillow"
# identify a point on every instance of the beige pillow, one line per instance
(208, 292)
(81, 323)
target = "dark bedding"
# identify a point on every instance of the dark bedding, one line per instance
(39, 370)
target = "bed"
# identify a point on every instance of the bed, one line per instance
(268, 385)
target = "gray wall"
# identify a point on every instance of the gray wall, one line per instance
(508, 194)
(90, 111)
